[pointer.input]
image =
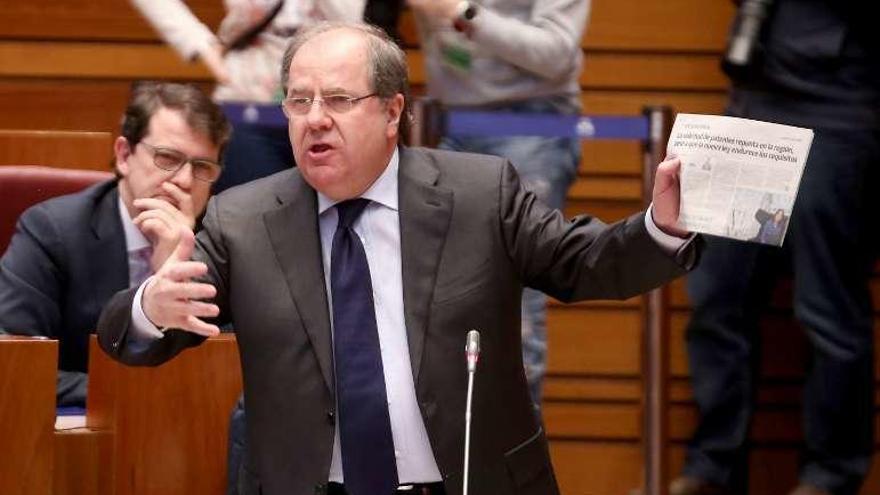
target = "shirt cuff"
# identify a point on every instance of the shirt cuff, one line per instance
(669, 243)
(142, 329)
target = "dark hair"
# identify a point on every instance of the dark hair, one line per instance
(387, 62)
(201, 114)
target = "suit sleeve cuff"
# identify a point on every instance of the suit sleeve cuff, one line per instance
(142, 329)
(669, 243)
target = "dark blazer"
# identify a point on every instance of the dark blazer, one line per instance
(471, 237)
(818, 67)
(65, 260)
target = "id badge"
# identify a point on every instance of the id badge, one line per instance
(456, 50)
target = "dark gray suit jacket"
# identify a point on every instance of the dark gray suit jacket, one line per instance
(471, 237)
(64, 262)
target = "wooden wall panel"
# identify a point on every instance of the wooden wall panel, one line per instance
(639, 71)
(62, 104)
(620, 102)
(659, 26)
(560, 387)
(592, 420)
(594, 341)
(64, 149)
(596, 468)
(95, 60)
(611, 157)
(106, 20)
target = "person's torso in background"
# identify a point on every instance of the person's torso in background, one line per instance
(461, 72)
(255, 71)
(820, 67)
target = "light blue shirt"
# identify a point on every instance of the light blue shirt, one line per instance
(135, 241)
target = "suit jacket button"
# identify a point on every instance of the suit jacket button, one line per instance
(331, 416)
(320, 489)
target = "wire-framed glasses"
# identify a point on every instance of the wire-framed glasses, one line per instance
(301, 105)
(171, 160)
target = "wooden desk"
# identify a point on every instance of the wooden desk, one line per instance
(169, 424)
(27, 414)
(82, 460)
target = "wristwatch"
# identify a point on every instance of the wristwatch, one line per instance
(466, 11)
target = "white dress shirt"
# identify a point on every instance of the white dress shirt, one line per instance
(378, 228)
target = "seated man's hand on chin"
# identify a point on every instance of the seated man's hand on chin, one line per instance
(161, 220)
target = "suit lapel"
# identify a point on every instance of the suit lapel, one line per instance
(425, 213)
(107, 244)
(293, 230)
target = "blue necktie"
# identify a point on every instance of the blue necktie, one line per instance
(368, 462)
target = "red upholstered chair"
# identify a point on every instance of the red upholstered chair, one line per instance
(23, 186)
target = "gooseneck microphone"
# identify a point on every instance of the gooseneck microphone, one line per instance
(472, 354)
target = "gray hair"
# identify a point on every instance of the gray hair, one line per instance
(387, 62)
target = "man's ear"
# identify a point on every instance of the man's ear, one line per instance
(394, 112)
(122, 151)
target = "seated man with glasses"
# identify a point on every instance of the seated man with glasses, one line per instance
(71, 253)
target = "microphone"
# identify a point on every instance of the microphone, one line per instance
(472, 350)
(472, 355)
(744, 43)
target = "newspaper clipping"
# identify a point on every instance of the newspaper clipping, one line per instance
(739, 177)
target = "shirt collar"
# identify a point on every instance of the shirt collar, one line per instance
(134, 238)
(383, 190)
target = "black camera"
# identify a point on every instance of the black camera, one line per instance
(743, 45)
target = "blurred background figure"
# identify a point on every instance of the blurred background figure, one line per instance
(816, 64)
(244, 56)
(506, 56)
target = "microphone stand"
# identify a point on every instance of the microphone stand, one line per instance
(472, 351)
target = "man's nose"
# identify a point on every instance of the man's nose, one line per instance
(183, 178)
(317, 117)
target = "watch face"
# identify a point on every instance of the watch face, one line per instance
(470, 12)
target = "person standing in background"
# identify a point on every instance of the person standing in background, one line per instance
(244, 57)
(524, 57)
(816, 64)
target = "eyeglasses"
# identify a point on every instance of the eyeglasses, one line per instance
(332, 103)
(171, 160)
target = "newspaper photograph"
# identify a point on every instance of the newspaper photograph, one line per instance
(739, 177)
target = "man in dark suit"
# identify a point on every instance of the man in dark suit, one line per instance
(359, 274)
(817, 65)
(70, 254)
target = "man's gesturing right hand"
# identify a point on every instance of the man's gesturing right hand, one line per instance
(171, 299)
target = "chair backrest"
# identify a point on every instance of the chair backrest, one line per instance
(24, 186)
